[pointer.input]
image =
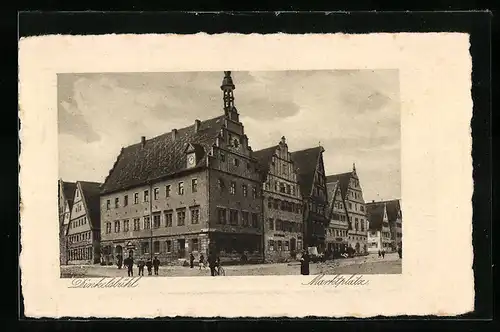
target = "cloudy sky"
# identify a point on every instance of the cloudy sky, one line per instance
(355, 115)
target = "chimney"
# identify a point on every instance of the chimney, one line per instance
(143, 140)
(174, 134)
(197, 124)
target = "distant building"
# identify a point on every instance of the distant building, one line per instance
(83, 228)
(379, 234)
(195, 189)
(395, 223)
(65, 201)
(353, 197)
(283, 219)
(312, 181)
(337, 230)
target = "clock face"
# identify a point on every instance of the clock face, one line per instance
(191, 159)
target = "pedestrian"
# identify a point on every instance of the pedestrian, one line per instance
(202, 261)
(212, 261)
(400, 252)
(129, 263)
(156, 265)
(140, 265)
(119, 259)
(191, 260)
(379, 254)
(217, 265)
(149, 266)
(304, 263)
(383, 253)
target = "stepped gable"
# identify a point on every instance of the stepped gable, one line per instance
(162, 155)
(306, 162)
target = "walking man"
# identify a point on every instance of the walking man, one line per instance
(212, 262)
(156, 265)
(304, 263)
(140, 265)
(383, 253)
(191, 260)
(129, 263)
(149, 266)
(202, 261)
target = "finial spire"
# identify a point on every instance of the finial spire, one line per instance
(283, 140)
(354, 167)
(227, 88)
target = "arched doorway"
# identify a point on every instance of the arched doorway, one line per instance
(358, 247)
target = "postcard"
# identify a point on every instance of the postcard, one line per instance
(230, 175)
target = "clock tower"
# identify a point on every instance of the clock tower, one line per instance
(227, 88)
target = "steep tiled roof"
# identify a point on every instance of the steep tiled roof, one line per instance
(69, 191)
(343, 180)
(264, 158)
(91, 193)
(306, 162)
(375, 214)
(393, 208)
(161, 155)
(331, 188)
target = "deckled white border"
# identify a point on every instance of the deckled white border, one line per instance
(435, 71)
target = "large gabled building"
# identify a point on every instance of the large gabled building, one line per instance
(312, 182)
(353, 197)
(282, 208)
(83, 227)
(395, 218)
(338, 228)
(195, 189)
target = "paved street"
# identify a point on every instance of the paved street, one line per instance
(371, 264)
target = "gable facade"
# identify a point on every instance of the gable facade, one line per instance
(337, 231)
(282, 208)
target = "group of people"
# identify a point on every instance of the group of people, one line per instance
(150, 264)
(213, 263)
(381, 253)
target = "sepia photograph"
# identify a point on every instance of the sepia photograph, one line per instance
(229, 173)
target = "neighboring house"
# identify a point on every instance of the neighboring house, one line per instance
(195, 189)
(66, 193)
(312, 181)
(353, 196)
(283, 219)
(379, 234)
(395, 223)
(83, 229)
(337, 231)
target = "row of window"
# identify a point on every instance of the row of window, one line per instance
(317, 208)
(74, 238)
(283, 245)
(284, 225)
(278, 204)
(80, 254)
(158, 221)
(156, 194)
(282, 187)
(78, 222)
(247, 218)
(232, 188)
(357, 238)
(339, 217)
(357, 207)
(337, 232)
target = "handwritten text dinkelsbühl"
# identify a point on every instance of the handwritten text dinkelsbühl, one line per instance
(122, 282)
(338, 280)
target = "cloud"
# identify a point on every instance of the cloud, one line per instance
(354, 114)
